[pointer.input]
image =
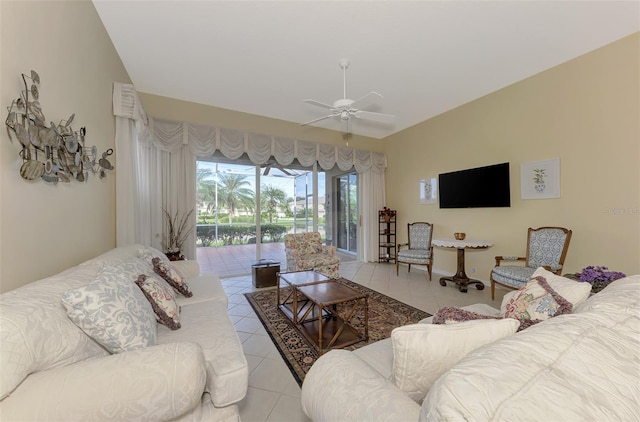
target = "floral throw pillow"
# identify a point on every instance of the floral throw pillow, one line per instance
(172, 276)
(162, 300)
(535, 302)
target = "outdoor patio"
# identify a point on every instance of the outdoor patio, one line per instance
(236, 260)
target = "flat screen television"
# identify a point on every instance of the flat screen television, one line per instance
(481, 187)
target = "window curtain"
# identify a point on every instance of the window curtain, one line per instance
(372, 198)
(154, 172)
(156, 162)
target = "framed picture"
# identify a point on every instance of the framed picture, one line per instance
(540, 179)
(428, 191)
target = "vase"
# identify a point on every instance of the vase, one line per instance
(387, 218)
(175, 256)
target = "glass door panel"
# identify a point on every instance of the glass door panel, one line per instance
(303, 220)
(226, 208)
(277, 204)
(347, 212)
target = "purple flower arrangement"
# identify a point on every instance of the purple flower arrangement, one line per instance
(599, 277)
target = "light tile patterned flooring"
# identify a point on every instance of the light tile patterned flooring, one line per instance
(273, 393)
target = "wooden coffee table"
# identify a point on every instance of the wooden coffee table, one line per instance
(289, 304)
(321, 324)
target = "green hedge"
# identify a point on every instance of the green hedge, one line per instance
(239, 234)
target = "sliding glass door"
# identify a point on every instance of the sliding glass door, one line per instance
(244, 211)
(347, 212)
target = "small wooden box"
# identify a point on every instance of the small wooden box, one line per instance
(264, 273)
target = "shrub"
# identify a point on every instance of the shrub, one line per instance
(239, 234)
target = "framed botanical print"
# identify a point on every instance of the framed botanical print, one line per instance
(540, 179)
(428, 191)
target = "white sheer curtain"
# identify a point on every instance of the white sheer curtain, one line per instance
(372, 198)
(156, 169)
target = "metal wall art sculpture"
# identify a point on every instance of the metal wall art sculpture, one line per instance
(54, 153)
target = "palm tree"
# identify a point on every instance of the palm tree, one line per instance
(233, 194)
(205, 188)
(272, 199)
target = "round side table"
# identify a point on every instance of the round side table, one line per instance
(460, 278)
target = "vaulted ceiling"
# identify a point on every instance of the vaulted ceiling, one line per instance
(424, 57)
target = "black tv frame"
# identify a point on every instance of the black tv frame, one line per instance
(479, 187)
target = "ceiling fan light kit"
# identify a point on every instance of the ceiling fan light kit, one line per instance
(344, 108)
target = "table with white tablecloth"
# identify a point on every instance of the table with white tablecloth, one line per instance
(460, 278)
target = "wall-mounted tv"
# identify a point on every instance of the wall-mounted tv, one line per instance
(480, 187)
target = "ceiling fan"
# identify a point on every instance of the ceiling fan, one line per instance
(344, 108)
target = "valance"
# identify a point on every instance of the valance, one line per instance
(204, 141)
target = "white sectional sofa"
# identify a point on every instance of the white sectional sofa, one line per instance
(582, 366)
(50, 369)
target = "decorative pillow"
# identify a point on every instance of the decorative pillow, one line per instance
(533, 302)
(162, 300)
(172, 276)
(148, 253)
(423, 352)
(452, 315)
(112, 311)
(129, 270)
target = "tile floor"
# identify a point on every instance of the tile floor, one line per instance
(273, 393)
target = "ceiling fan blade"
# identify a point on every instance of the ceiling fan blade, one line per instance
(318, 119)
(370, 115)
(366, 96)
(319, 104)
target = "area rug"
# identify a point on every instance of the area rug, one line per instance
(385, 314)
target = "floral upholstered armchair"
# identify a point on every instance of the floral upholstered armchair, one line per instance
(546, 247)
(305, 251)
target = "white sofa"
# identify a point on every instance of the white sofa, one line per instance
(583, 366)
(52, 370)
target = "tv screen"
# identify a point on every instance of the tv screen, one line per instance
(480, 187)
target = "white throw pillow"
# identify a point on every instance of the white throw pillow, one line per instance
(148, 253)
(533, 302)
(113, 311)
(423, 352)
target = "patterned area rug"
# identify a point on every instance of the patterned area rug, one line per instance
(385, 314)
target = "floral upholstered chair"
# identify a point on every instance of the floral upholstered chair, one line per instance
(305, 251)
(419, 250)
(546, 247)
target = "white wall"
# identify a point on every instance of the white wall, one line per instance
(44, 228)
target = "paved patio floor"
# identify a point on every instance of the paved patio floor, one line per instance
(235, 260)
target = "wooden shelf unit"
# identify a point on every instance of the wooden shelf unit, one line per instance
(387, 236)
